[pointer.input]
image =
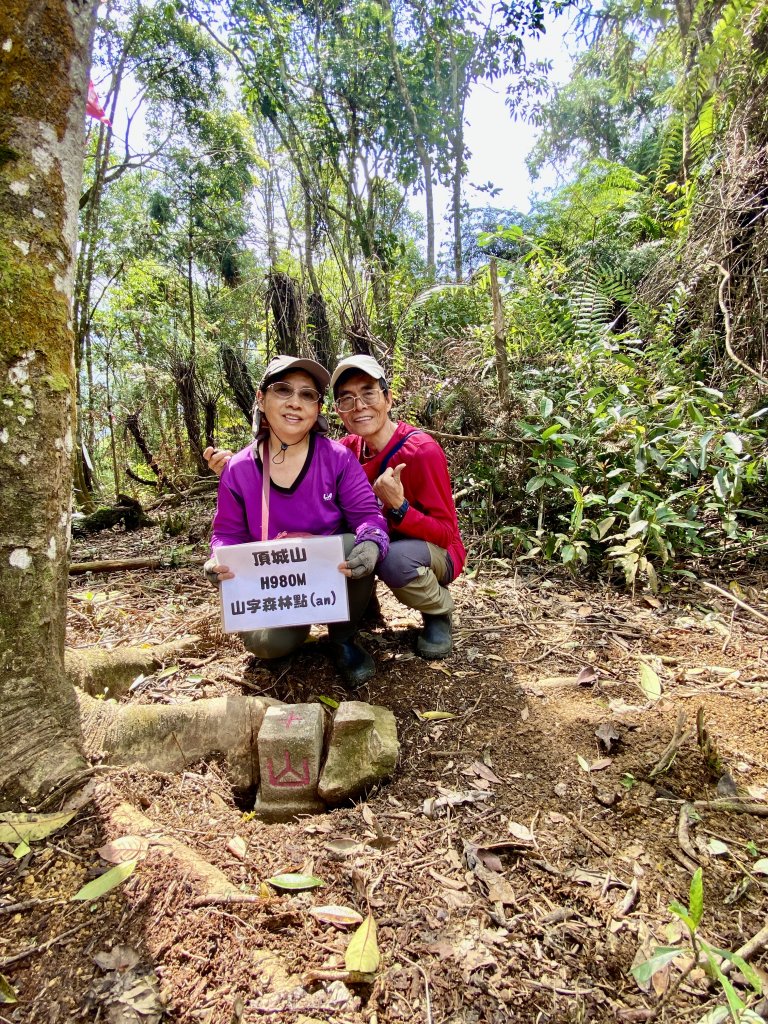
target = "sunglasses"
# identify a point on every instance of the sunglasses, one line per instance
(284, 392)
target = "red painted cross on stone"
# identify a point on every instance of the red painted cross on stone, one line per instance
(293, 717)
(288, 776)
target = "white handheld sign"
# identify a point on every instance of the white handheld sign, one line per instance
(290, 582)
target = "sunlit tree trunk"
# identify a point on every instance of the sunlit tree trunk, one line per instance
(42, 110)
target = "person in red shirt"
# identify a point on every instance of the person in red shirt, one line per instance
(409, 473)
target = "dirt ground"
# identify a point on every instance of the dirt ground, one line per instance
(525, 894)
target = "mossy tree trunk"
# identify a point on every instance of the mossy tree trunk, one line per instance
(46, 59)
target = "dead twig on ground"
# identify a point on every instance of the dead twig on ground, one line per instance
(595, 840)
(17, 908)
(682, 834)
(115, 565)
(679, 737)
(735, 806)
(42, 946)
(736, 600)
(756, 944)
(425, 976)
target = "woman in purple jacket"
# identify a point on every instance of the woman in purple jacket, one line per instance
(316, 487)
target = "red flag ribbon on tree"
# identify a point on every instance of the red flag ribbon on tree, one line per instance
(93, 106)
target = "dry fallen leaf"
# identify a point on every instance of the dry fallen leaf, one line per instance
(340, 917)
(342, 847)
(483, 771)
(237, 847)
(607, 734)
(587, 676)
(363, 952)
(124, 848)
(521, 832)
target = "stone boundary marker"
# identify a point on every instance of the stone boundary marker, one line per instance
(301, 761)
(362, 750)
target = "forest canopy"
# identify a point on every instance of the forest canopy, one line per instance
(267, 204)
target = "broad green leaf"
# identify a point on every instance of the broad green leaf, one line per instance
(550, 431)
(639, 526)
(734, 442)
(735, 1002)
(7, 992)
(604, 526)
(720, 484)
(650, 683)
(546, 405)
(101, 885)
(534, 484)
(715, 1016)
(563, 478)
(328, 701)
(682, 912)
(696, 897)
(664, 955)
(436, 716)
(333, 914)
(17, 828)
(22, 850)
(751, 975)
(168, 671)
(295, 882)
(362, 953)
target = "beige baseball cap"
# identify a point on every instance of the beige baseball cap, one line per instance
(363, 364)
(281, 364)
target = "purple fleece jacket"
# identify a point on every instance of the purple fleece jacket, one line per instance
(331, 495)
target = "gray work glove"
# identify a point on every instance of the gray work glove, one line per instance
(210, 573)
(362, 559)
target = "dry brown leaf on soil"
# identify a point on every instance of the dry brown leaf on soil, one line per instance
(342, 847)
(449, 883)
(123, 849)
(340, 917)
(587, 676)
(607, 735)
(521, 833)
(237, 847)
(482, 771)
(433, 805)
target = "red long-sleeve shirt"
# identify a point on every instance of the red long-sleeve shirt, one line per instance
(427, 486)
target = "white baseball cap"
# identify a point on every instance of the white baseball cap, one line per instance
(364, 364)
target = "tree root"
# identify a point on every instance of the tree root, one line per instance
(126, 820)
(100, 672)
(169, 738)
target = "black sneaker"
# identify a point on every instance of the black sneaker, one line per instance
(435, 640)
(354, 663)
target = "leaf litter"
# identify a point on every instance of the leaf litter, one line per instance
(537, 932)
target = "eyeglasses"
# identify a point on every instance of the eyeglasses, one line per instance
(284, 392)
(367, 398)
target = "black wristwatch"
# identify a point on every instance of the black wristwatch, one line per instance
(397, 515)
